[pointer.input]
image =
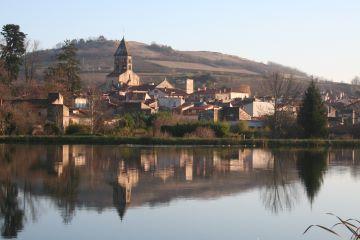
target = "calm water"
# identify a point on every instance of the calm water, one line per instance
(117, 192)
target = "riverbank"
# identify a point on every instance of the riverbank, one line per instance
(112, 140)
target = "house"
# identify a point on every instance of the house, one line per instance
(187, 85)
(81, 102)
(203, 95)
(137, 106)
(222, 94)
(257, 108)
(181, 109)
(51, 109)
(211, 115)
(195, 111)
(228, 94)
(168, 98)
(233, 114)
(80, 116)
(142, 88)
(165, 84)
(137, 96)
(170, 102)
(167, 92)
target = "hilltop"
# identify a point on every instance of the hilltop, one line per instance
(154, 62)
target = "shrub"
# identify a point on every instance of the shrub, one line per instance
(201, 132)
(240, 127)
(77, 129)
(180, 130)
(51, 129)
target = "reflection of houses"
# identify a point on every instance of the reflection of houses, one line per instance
(187, 162)
(115, 176)
(66, 155)
(262, 159)
(233, 160)
(243, 160)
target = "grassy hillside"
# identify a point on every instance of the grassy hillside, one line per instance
(155, 62)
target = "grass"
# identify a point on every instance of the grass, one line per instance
(351, 225)
(179, 141)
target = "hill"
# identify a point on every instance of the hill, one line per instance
(154, 62)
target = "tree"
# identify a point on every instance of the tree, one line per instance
(3, 73)
(312, 116)
(98, 112)
(31, 58)
(13, 50)
(355, 80)
(67, 69)
(283, 89)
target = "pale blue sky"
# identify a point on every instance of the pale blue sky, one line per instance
(320, 37)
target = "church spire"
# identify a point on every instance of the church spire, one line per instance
(122, 58)
(122, 49)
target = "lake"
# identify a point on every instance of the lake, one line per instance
(141, 192)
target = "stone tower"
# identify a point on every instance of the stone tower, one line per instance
(122, 59)
(123, 68)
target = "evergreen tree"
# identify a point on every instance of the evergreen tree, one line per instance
(13, 50)
(312, 116)
(70, 66)
(67, 70)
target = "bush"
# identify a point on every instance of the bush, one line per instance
(51, 129)
(240, 127)
(77, 129)
(180, 130)
(201, 132)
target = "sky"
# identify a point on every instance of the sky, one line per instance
(320, 37)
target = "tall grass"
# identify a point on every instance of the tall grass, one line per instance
(350, 225)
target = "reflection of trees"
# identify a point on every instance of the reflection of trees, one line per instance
(65, 190)
(10, 212)
(311, 165)
(279, 193)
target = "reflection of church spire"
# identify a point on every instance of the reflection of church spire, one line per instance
(126, 180)
(119, 200)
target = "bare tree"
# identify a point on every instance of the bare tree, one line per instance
(31, 59)
(355, 80)
(97, 111)
(284, 90)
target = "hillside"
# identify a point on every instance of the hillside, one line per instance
(155, 62)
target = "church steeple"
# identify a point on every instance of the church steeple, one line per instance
(122, 49)
(122, 59)
(123, 68)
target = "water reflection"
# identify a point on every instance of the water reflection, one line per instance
(311, 166)
(113, 177)
(11, 213)
(280, 191)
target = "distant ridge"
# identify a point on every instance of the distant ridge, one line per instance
(154, 62)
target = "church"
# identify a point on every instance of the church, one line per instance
(122, 74)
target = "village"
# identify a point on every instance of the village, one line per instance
(179, 120)
(124, 93)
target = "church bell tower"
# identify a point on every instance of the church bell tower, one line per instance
(122, 61)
